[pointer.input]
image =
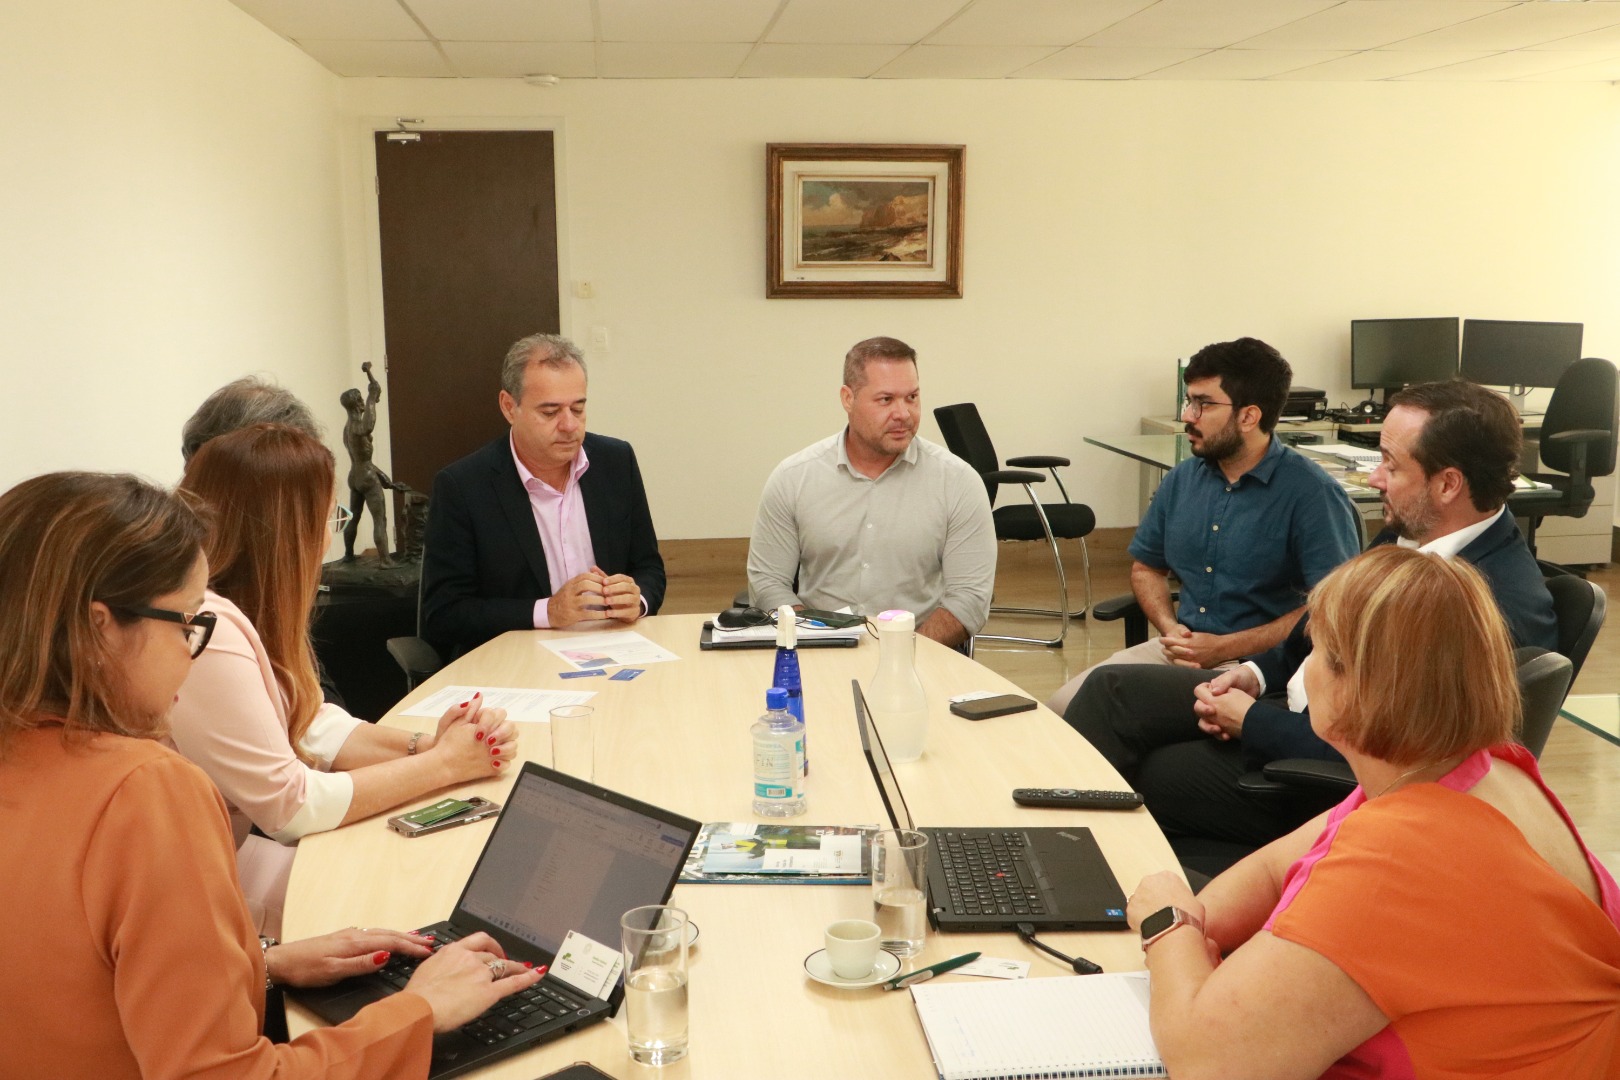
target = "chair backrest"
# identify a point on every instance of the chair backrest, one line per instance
(1579, 606)
(966, 437)
(1544, 680)
(1584, 399)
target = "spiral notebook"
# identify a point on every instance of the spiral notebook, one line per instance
(1069, 1026)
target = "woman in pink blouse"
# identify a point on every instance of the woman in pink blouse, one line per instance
(250, 712)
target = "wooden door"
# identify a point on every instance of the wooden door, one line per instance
(468, 225)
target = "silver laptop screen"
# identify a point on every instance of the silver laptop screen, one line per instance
(878, 758)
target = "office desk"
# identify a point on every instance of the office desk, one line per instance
(678, 737)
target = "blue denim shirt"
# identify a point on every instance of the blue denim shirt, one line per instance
(1246, 552)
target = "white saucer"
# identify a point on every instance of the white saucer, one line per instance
(692, 932)
(819, 968)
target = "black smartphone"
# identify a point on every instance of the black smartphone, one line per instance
(986, 707)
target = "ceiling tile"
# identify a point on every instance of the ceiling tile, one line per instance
(1519, 27)
(647, 60)
(1602, 71)
(864, 22)
(1242, 64)
(505, 20)
(1034, 22)
(963, 61)
(1204, 24)
(1373, 66)
(1497, 68)
(514, 59)
(817, 61)
(674, 20)
(1088, 62)
(1597, 39)
(392, 59)
(1369, 24)
(363, 20)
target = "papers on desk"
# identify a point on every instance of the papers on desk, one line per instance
(1362, 458)
(520, 703)
(624, 649)
(1524, 483)
(1075, 1025)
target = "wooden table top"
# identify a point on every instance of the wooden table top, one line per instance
(678, 737)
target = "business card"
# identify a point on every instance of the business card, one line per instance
(588, 966)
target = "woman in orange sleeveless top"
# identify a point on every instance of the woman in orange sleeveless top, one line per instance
(1445, 920)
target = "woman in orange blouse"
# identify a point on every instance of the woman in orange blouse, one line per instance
(133, 953)
(1445, 920)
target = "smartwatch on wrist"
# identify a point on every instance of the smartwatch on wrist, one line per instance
(1166, 919)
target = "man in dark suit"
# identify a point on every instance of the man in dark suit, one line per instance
(547, 526)
(1183, 738)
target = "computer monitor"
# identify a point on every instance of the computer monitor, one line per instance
(1386, 354)
(1518, 354)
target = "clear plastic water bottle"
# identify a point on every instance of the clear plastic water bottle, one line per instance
(778, 759)
(896, 697)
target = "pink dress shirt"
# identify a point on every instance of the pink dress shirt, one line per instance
(565, 535)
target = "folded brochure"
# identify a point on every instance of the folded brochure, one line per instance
(743, 852)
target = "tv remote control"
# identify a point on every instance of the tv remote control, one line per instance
(1069, 798)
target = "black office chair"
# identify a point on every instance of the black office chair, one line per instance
(1544, 681)
(415, 657)
(967, 438)
(1577, 440)
(1579, 606)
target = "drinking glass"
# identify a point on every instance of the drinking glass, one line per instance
(900, 889)
(573, 749)
(655, 983)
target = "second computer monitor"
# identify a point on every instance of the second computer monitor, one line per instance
(1500, 353)
(1391, 353)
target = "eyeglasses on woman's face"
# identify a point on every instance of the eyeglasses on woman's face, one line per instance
(341, 516)
(198, 626)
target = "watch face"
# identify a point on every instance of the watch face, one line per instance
(1158, 922)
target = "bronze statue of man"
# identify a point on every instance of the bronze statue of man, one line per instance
(367, 483)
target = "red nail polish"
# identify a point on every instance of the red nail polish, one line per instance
(478, 695)
(542, 969)
(379, 958)
(495, 750)
(528, 963)
(464, 704)
(496, 764)
(479, 735)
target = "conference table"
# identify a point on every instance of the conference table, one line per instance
(678, 737)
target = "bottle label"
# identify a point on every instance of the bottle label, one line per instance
(776, 767)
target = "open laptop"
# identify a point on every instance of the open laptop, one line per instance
(564, 855)
(1054, 878)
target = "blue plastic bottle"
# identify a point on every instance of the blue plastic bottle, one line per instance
(787, 667)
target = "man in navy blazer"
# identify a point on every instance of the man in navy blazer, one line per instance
(547, 526)
(1183, 738)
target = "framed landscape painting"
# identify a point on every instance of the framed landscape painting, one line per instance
(863, 220)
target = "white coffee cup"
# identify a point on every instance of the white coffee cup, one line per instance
(852, 947)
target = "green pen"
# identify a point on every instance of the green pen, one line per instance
(900, 982)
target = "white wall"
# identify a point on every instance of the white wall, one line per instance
(169, 220)
(184, 201)
(1111, 227)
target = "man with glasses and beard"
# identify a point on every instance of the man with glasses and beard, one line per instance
(1247, 524)
(1449, 452)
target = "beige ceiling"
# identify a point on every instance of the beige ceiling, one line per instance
(1326, 40)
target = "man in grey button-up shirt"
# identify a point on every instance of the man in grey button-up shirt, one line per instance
(876, 518)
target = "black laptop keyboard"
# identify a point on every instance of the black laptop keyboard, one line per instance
(524, 1011)
(986, 873)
